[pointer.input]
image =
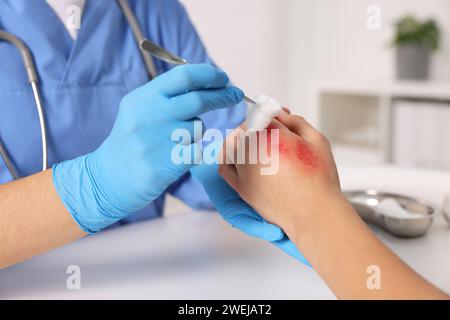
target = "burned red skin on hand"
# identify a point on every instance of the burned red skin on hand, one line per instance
(269, 133)
(306, 155)
(283, 148)
(303, 151)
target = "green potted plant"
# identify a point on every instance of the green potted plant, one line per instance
(415, 40)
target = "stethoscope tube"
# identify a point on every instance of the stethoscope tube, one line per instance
(30, 69)
(8, 162)
(138, 36)
(42, 124)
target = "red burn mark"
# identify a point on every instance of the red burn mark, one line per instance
(305, 154)
(269, 140)
(269, 136)
(283, 148)
(269, 132)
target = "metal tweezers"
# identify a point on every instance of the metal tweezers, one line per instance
(170, 58)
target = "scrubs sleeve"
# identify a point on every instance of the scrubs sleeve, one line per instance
(191, 48)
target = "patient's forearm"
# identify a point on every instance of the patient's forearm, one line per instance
(341, 248)
(32, 219)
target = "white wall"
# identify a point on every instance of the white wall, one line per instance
(345, 46)
(246, 38)
(280, 47)
(338, 44)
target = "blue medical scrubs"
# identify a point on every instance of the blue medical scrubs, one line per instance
(83, 81)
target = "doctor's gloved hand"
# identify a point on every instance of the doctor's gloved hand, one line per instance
(238, 213)
(134, 166)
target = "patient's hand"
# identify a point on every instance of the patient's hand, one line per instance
(304, 199)
(306, 179)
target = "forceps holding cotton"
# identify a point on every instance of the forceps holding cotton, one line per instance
(261, 111)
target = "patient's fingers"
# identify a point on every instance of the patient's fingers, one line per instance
(232, 145)
(276, 124)
(229, 173)
(242, 149)
(298, 125)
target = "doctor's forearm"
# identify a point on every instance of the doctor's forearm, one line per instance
(33, 219)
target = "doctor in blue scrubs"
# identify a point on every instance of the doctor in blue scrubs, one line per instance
(109, 127)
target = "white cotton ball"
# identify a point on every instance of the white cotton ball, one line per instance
(259, 116)
(257, 119)
(269, 105)
(391, 208)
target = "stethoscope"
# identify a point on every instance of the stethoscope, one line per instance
(33, 80)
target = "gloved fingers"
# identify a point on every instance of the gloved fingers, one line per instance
(231, 207)
(216, 188)
(186, 132)
(288, 247)
(256, 228)
(198, 127)
(195, 103)
(184, 157)
(188, 78)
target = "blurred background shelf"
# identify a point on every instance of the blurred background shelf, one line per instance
(402, 123)
(322, 52)
(394, 89)
(357, 156)
(310, 54)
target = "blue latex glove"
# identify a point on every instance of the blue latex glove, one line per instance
(238, 213)
(133, 166)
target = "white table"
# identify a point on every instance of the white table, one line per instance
(198, 256)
